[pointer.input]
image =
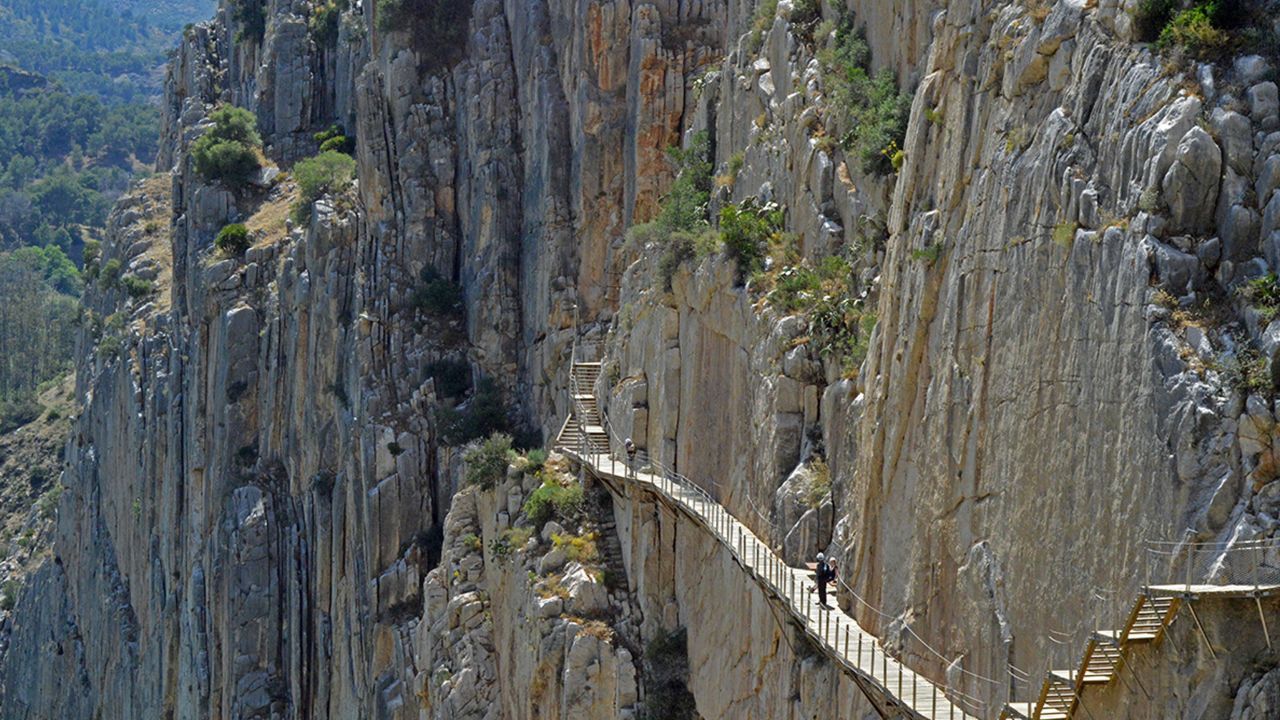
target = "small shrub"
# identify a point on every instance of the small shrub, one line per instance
(534, 461)
(766, 11)
(472, 542)
(746, 231)
(868, 109)
(578, 548)
(233, 240)
(335, 139)
(553, 501)
(9, 594)
(1193, 29)
(137, 288)
(324, 22)
(485, 414)
(225, 153)
(487, 463)
(325, 173)
(1264, 294)
(92, 258)
(109, 277)
(819, 486)
(47, 505)
(437, 296)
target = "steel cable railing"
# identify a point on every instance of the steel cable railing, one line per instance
(1217, 561)
(756, 555)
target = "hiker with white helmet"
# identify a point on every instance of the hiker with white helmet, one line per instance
(824, 573)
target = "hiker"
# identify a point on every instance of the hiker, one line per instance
(824, 573)
(631, 456)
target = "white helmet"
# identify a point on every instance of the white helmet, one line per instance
(821, 557)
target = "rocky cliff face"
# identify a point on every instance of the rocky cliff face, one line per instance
(261, 513)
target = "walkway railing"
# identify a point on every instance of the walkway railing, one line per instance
(838, 635)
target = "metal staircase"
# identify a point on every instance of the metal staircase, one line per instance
(583, 430)
(1103, 658)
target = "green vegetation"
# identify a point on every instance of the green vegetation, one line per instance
(577, 548)
(325, 17)
(1203, 29)
(747, 230)
(136, 287)
(868, 112)
(765, 13)
(335, 139)
(484, 414)
(106, 48)
(487, 462)
(109, 276)
(233, 240)
(1263, 294)
(840, 324)
(437, 296)
(226, 153)
(1064, 233)
(251, 18)
(929, 254)
(819, 486)
(329, 172)
(38, 317)
(9, 593)
(557, 499)
(439, 27)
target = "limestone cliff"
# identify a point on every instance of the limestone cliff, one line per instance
(264, 511)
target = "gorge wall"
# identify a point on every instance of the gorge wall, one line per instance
(264, 512)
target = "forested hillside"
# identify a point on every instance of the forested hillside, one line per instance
(111, 49)
(79, 81)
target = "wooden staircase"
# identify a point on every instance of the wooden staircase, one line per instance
(585, 416)
(1103, 658)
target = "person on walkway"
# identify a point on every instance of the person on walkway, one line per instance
(631, 457)
(824, 573)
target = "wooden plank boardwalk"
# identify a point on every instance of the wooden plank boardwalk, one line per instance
(836, 634)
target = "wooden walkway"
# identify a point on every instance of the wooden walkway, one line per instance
(839, 636)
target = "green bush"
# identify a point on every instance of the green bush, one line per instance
(869, 113)
(685, 206)
(233, 240)
(137, 288)
(1264, 294)
(1195, 31)
(552, 501)
(325, 173)
(438, 27)
(229, 163)
(485, 414)
(437, 295)
(109, 276)
(225, 153)
(335, 139)
(487, 463)
(746, 231)
(324, 22)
